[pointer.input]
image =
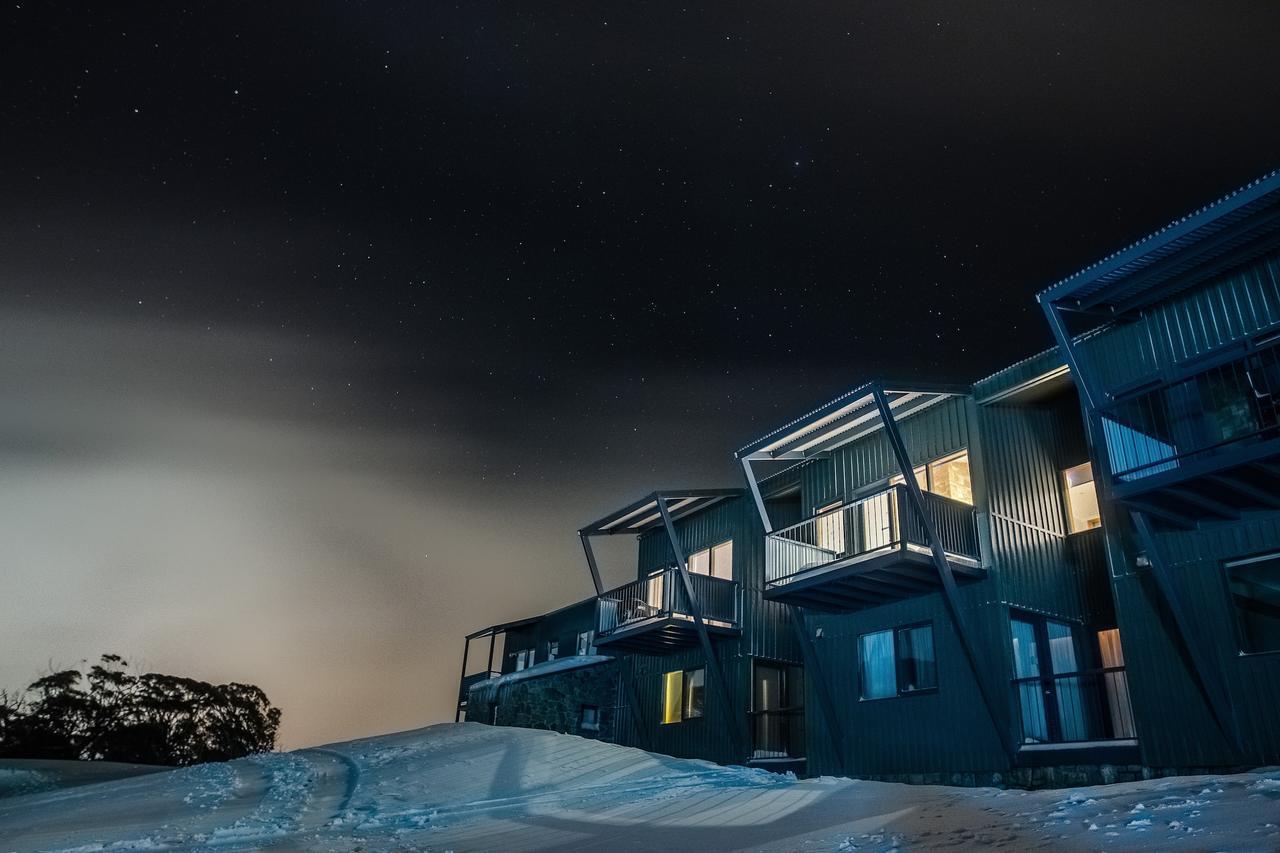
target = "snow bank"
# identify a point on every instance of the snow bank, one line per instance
(472, 787)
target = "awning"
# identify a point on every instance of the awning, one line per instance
(845, 419)
(1238, 227)
(643, 515)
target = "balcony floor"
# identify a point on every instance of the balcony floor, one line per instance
(660, 635)
(1215, 488)
(869, 580)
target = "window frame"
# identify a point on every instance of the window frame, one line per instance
(684, 695)
(926, 469)
(553, 649)
(709, 551)
(589, 648)
(1237, 627)
(1066, 497)
(899, 692)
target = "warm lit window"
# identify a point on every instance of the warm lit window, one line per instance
(683, 694)
(1255, 593)
(553, 649)
(896, 662)
(948, 476)
(672, 696)
(1082, 498)
(830, 528)
(716, 561)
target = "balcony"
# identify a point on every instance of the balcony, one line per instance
(1204, 447)
(654, 615)
(869, 552)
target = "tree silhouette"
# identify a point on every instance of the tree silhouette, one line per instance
(112, 714)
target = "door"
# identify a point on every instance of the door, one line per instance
(777, 698)
(1046, 672)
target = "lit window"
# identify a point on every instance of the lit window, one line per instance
(672, 696)
(716, 561)
(683, 695)
(722, 560)
(553, 649)
(830, 521)
(586, 643)
(1255, 593)
(948, 476)
(1082, 498)
(524, 659)
(896, 662)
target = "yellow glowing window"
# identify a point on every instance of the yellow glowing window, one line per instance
(700, 562)
(672, 696)
(1082, 498)
(948, 476)
(922, 479)
(722, 560)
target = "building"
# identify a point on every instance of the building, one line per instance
(1066, 572)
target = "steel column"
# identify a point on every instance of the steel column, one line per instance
(817, 675)
(949, 589)
(713, 663)
(466, 649)
(591, 563)
(755, 495)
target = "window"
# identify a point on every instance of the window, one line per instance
(897, 662)
(553, 649)
(586, 643)
(524, 659)
(716, 561)
(1255, 593)
(589, 718)
(1082, 498)
(683, 695)
(830, 528)
(948, 476)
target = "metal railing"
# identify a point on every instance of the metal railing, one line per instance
(662, 596)
(778, 734)
(884, 521)
(1075, 707)
(1225, 406)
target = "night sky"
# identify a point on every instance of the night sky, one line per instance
(324, 326)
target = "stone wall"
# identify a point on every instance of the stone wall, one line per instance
(554, 701)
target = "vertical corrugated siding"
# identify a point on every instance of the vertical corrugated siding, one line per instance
(1191, 324)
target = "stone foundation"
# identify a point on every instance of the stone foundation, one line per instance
(554, 701)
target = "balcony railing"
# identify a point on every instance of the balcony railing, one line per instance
(662, 596)
(1228, 406)
(1075, 707)
(881, 523)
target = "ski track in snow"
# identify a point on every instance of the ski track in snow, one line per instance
(477, 788)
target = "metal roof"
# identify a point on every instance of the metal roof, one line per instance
(644, 515)
(847, 418)
(1232, 223)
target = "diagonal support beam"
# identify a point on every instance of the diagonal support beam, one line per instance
(732, 723)
(1084, 382)
(950, 591)
(1203, 672)
(755, 495)
(591, 563)
(817, 675)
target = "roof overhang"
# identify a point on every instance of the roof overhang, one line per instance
(1233, 229)
(644, 515)
(845, 419)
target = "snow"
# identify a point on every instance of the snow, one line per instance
(471, 787)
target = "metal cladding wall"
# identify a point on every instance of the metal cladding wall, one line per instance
(1175, 727)
(561, 625)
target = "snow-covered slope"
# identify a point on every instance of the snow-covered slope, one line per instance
(471, 787)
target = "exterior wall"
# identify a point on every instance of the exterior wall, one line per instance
(1174, 723)
(561, 625)
(553, 701)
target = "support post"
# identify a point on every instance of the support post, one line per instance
(713, 663)
(493, 640)
(818, 676)
(1084, 383)
(591, 563)
(1215, 694)
(755, 495)
(949, 589)
(466, 649)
